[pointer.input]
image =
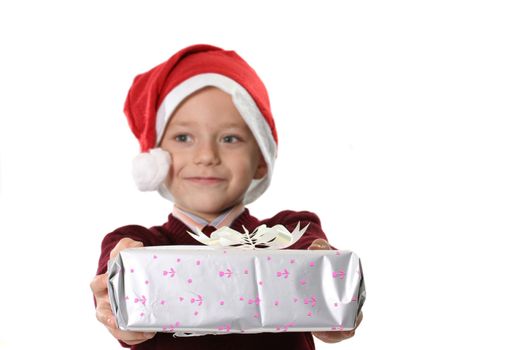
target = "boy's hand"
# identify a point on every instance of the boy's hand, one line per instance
(103, 311)
(337, 336)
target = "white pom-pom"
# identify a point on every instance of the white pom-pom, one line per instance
(150, 169)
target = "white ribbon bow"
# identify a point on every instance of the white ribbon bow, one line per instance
(263, 237)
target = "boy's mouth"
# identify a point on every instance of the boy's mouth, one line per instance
(201, 180)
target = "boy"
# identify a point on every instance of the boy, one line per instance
(208, 143)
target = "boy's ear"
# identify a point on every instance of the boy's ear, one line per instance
(262, 168)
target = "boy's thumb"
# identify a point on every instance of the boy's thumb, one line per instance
(124, 243)
(319, 244)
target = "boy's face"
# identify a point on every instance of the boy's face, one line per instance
(214, 154)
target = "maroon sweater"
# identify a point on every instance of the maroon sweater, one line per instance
(174, 232)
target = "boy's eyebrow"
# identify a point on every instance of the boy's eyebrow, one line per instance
(233, 125)
(181, 123)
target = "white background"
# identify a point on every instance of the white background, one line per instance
(401, 125)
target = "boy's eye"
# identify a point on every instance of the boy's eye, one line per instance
(230, 139)
(182, 138)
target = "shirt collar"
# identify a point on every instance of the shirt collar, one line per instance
(196, 222)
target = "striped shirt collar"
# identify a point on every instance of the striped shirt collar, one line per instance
(196, 222)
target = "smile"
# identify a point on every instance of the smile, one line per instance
(205, 180)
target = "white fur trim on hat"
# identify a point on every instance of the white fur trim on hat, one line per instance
(247, 109)
(150, 169)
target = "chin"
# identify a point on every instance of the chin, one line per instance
(210, 209)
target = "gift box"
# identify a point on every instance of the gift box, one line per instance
(193, 290)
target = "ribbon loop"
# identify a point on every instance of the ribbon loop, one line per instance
(263, 237)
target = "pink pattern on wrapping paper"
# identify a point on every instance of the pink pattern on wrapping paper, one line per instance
(255, 301)
(354, 298)
(245, 271)
(283, 273)
(198, 300)
(312, 264)
(302, 282)
(340, 274)
(292, 261)
(170, 272)
(227, 273)
(142, 299)
(285, 327)
(312, 300)
(198, 262)
(276, 303)
(171, 327)
(338, 328)
(226, 328)
(309, 313)
(155, 257)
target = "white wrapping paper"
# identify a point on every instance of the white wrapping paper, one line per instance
(205, 290)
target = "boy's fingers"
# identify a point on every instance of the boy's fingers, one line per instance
(104, 315)
(100, 292)
(103, 311)
(131, 338)
(99, 284)
(334, 337)
(319, 244)
(124, 243)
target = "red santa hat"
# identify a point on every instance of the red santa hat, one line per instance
(154, 96)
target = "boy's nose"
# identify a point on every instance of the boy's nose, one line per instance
(207, 154)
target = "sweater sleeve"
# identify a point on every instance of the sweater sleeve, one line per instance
(290, 219)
